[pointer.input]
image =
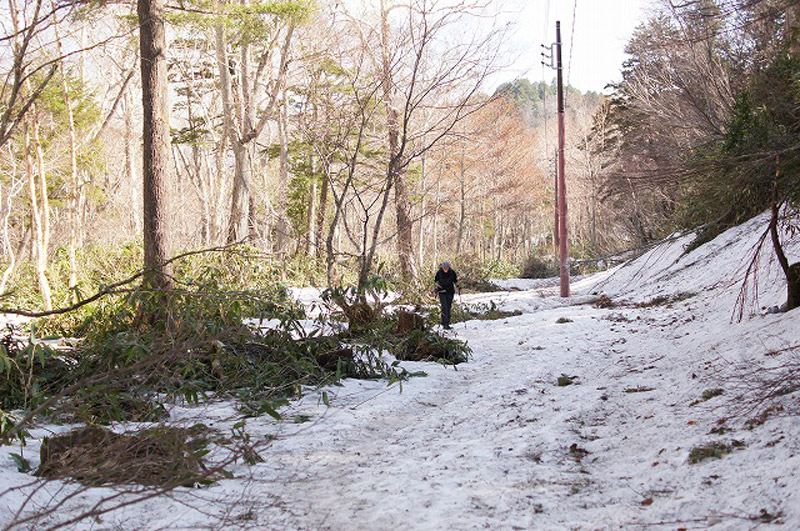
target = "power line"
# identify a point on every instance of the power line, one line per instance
(546, 18)
(544, 82)
(571, 43)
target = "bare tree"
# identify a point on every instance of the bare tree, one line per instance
(18, 93)
(15, 186)
(244, 112)
(430, 81)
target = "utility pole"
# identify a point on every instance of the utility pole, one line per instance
(557, 226)
(561, 184)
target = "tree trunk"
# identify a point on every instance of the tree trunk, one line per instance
(36, 221)
(217, 185)
(462, 219)
(396, 173)
(205, 199)
(130, 165)
(792, 272)
(334, 231)
(482, 216)
(73, 173)
(45, 199)
(283, 171)
(26, 242)
(238, 220)
(247, 119)
(405, 227)
(240, 200)
(311, 244)
(323, 203)
(495, 229)
(8, 249)
(500, 234)
(792, 28)
(436, 207)
(421, 249)
(155, 132)
(239, 226)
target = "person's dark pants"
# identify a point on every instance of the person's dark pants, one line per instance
(447, 302)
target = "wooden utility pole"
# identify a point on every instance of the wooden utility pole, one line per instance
(562, 184)
(557, 226)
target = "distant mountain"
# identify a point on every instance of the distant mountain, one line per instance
(533, 99)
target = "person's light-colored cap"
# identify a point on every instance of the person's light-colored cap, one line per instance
(446, 263)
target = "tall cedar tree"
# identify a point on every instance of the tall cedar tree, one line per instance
(155, 130)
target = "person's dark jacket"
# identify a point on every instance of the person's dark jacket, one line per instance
(446, 281)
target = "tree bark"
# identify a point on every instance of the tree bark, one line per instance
(238, 220)
(283, 141)
(243, 138)
(396, 172)
(421, 243)
(311, 243)
(436, 208)
(8, 248)
(792, 272)
(205, 198)
(45, 199)
(73, 178)
(130, 165)
(247, 118)
(240, 200)
(323, 203)
(73, 171)
(462, 219)
(155, 131)
(792, 28)
(36, 221)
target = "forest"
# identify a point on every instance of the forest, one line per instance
(175, 178)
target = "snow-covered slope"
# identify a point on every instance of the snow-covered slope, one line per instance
(717, 267)
(498, 445)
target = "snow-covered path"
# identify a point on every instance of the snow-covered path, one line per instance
(489, 446)
(497, 444)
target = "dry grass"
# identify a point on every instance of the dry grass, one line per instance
(159, 456)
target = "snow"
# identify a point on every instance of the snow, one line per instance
(528, 284)
(489, 445)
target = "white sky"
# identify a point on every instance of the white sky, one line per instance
(602, 29)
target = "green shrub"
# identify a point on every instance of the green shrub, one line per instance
(29, 371)
(537, 267)
(663, 300)
(708, 394)
(475, 274)
(424, 345)
(481, 312)
(137, 349)
(565, 380)
(715, 450)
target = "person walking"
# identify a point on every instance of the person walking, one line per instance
(446, 281)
